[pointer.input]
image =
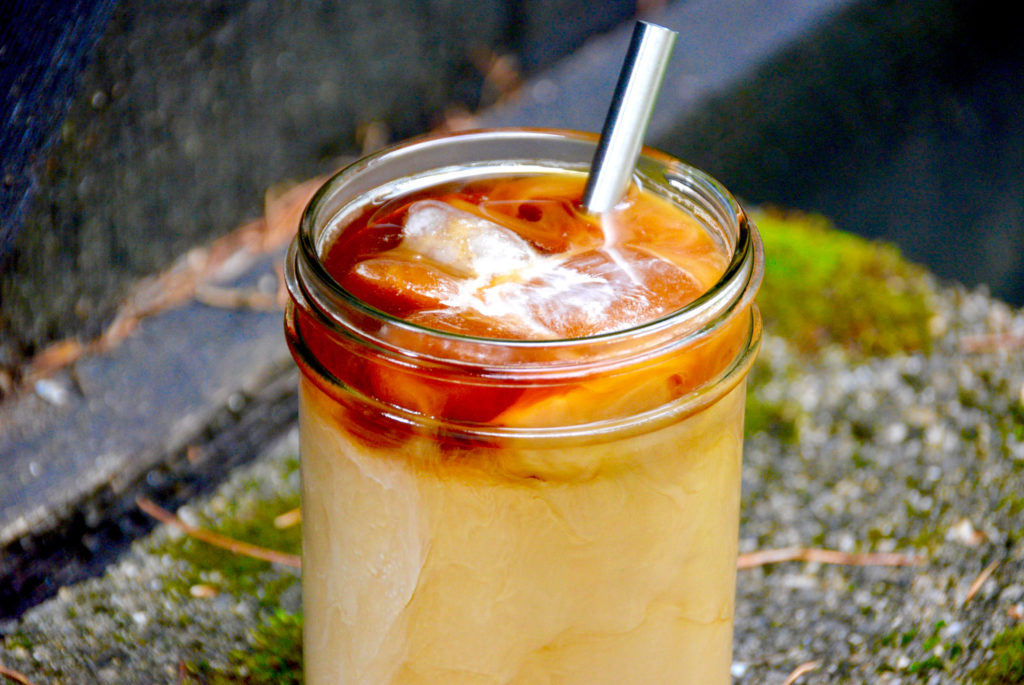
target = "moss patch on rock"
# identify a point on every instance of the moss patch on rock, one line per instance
(825, 287)
(1006, 664)
(274, 650)
(274, 657)
(248, 517)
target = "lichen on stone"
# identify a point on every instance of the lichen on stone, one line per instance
(826, 287)
(1006, 664)
(273, 658)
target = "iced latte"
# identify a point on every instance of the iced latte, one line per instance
(521, 424)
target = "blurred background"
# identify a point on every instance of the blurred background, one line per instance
(135, 129)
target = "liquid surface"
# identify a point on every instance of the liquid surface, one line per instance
(519, 258)
(514, 257)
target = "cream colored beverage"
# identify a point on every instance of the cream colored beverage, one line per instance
(520, 423)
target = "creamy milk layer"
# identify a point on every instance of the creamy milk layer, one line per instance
(609, 563)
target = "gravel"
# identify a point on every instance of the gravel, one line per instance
(919, 454)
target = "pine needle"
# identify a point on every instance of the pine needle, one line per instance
(985, 574)
(825, 556)
(292, 517)
(217, 540)
(801, 670)
(15, 676)
(992, 342)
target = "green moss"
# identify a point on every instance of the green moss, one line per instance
(931, 663)
(908, 637)
(1006, 665)
(289, 467)
(858, 461)
(1015, 419)
(231, 572)
(926, 647)
(927, 538)
(274, 656)
(274, 652)
(775, 418)
(1013, 504)
(823, 286)
(18, 639)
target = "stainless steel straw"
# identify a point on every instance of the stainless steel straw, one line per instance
(623, 134)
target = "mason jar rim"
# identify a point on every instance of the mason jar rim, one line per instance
(309, 281)
(732, 291)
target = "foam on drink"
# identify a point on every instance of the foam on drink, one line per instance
(519, 258)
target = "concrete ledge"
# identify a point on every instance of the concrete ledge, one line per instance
(193, 392)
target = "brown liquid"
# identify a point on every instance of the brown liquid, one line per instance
(565, 274)
(652, 258)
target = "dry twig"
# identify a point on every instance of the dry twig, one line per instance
(193, 275)
(502, 76)
(457, 118)
(372, 136)
(209, 537)
(801, 670)
(985, 574)
(825, 556)
(15, 676)
(992, 342)
(236, 298)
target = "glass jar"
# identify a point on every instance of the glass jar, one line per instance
(481, 510)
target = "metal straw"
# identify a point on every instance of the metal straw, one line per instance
(630, 112)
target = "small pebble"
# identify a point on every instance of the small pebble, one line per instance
(203, 591)
(53, 391)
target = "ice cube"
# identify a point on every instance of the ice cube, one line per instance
(546, 303)
(465, 244)
(589, 294)
(402, 285)
(457, 271)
